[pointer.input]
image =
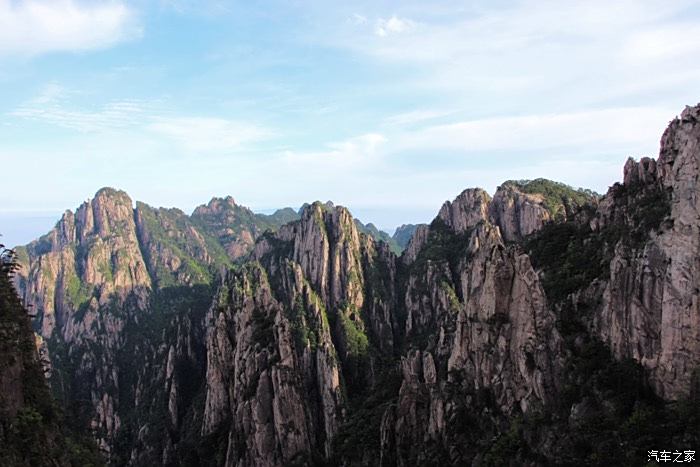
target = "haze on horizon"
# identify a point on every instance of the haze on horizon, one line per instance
(388, 108)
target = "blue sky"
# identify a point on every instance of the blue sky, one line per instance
(389, 108)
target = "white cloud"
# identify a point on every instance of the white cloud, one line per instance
(526, 25)
(52, 106)
(203, 134)
(662, 43)
(393, 25)
(32, 27)
(562, 55)
(364, 145)
(607, 129)
(351, 154)
(586, 148)
(415, 116)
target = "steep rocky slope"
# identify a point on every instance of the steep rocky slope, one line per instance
(403, 233)
(523, 207)
(236, 227)
(543, 325)
(480, 333)
(32, 429)
(102, 275)
(379, 235)
(649, 308)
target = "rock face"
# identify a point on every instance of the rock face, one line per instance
(92, 258)
(236, 227)
(324, 305)
(518, 209)
(32, 430)
(481, 315)
(469, 208)
(230, 223)
(517, 214)
(99, 274)
(403, 233)
(285, 332)
(536, 327)
(175, 250)
(281, 397)
(379, 236)
(92, 254)
(649, 308)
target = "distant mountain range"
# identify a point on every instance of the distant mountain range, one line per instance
(543, 325)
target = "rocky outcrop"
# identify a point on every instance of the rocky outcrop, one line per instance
(516, 329)
(468, 209)
(231, 224)
(288, 330)
(415, 244)
(403, 233)
(649, 307)
(379, 236)
(236, 227)
(272, 378)
(517, 214)
(92, 254)
(32, 428)
(175, 251)
(518, 208)
(102, 274)
(89, 260)
(480, 321)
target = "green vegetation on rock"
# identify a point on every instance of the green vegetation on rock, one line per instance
(170, 234)
(443, 245)
(571, 255)
(356, 341)
(559, 199)
(404, 233)
(379, 235)
(32, 429)
(278, 218)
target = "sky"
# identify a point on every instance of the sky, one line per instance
(388, 108)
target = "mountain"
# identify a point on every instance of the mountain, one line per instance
(236, 227)
(279, 217)
(102, 271)
(522, 207)
(368, 229)
(379, 235)
(32, 428)
(541, 325)
(403, 234)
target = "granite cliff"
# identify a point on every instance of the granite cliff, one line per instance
(33, 430)
(543, 325)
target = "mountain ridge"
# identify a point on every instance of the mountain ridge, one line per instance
(508, 328)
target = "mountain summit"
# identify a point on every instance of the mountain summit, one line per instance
(543, 325)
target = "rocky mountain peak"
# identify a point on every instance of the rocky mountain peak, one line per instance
(235, 227)
(679, 163)
(326, 243)
(110, 212)
(662, 327)
(516, 213)
(643, 172)
(215, 206)
(507, 331)
(466, 211)
(403, 233)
